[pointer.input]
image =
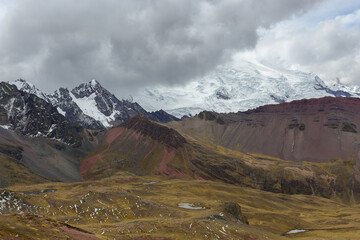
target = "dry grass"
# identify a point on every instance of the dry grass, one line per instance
(123, 207)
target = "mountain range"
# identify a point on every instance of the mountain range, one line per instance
(240, 86)
(91, 105)
(230, 88)
(82, 164)
(260, 173)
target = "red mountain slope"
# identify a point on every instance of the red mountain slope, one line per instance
(315, 130)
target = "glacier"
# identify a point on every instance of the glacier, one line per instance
(239, 86)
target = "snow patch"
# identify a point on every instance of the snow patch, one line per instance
(93, 82)
(61, 111)
(9, 106)
(52, 128)
(245, 85)
(88, 106)
(149, 183)
(297, 231)
(190, 206)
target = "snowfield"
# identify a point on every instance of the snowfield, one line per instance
(238, 87)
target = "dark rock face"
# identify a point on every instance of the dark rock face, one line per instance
(62, 99)
(234, 210)
(222, 93)
(211, 116)
(168, 136)
(277, 99)
(92, 106)
(348, 127)
(14, 152)
(113, 109)
(33, 116)
(207, 116)
(162, 116)
(321, 87)
(105, 101)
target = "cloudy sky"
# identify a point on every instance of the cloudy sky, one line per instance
(130, 44)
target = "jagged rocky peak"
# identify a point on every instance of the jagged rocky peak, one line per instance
(94, 107)
(23, 84)
(91, 105)
(86, 89)
(28, 87)
(65, 103)
(33, 116)
(162, 116)
(5, 89)
(60, 94)
(105, 102)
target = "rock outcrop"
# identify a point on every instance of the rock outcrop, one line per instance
(33, 116)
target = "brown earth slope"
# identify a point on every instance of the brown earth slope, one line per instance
(180, 181)
(195, 151)
(138, 145)
(26, 159)
(147, 148)
(314, 130)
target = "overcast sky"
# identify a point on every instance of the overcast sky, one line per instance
(130, 44)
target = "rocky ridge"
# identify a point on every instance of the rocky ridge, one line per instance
(157, 132)
(92, 106)
(33, 116)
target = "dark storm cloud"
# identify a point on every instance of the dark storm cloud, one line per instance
(130, 44)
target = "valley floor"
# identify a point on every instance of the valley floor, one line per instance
(126, 206)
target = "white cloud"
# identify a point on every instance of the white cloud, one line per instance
(5, 6)
(330, 48)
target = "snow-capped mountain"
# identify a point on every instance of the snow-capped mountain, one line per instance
(91, 105)
(231, 88)
(239, 87)
(25, 86)
(99, 104)
(34, 116)
(65, 105)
